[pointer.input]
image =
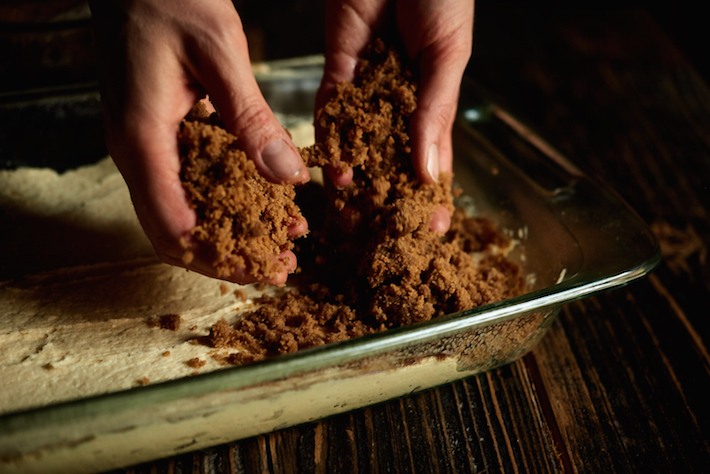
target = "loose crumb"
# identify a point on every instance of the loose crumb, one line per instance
(196, 363)
(166, 354)
(223, 289)
(170, 322)
(241, 295)
(143, 381)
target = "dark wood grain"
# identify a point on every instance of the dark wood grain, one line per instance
(621, 383)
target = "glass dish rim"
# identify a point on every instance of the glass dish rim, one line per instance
(334, 354)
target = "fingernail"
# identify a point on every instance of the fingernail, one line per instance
(432, 162)
(283, 162)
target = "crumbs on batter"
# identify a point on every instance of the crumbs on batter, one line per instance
(371, 263)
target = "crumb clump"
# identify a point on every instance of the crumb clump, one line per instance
(196, 363)
(372, 262)
(366, 120)
(240, 295)
(287, 323)
(243, 220)
(170, 322)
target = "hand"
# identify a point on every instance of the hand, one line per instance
(157, 58)
(438, 38)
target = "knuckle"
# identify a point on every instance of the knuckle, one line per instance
(252, 116)
(227, 34)
(438, 117)
(222, 34)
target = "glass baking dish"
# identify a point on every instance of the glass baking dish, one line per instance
(573, 238)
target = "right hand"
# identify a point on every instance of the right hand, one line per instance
(438, 38)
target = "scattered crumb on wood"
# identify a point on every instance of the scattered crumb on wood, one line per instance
(678, 245)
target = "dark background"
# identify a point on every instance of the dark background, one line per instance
(49, 43)
(50, 111)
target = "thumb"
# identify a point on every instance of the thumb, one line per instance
(432, 121)
(225, 72)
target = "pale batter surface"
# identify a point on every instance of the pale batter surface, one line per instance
(86, 308)
(79, 285)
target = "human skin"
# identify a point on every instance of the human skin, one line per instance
(157, 58)
(438, 38)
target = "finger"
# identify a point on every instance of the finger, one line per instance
(288, 259)
(438, 36)
(204, 266)
(440, 221)
(431, 123)
(339, 178)
(297, 228)
(220, 62)
(350, 26)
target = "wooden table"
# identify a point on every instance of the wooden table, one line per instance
(622, 381)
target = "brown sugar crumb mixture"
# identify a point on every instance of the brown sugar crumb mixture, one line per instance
(287, 323)
(242, 219)
(371, 263)
(366, 120)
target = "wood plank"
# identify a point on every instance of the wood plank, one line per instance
(574, 411)
(625, 109)
(646, 417)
